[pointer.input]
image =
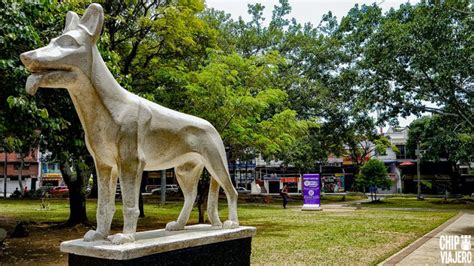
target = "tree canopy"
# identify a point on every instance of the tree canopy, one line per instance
(440, 140)
(415, 59)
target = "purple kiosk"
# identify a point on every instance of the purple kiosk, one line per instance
(311, 193)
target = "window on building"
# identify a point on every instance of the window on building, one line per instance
(401, 152)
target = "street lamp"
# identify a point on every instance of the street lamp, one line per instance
(418, 161)
(5, 163)
(163, 187)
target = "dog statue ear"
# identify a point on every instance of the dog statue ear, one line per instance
(93, 20)
(72, 20)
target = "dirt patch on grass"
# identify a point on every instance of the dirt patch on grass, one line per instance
(40, 247)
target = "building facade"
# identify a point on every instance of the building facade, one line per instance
(51, 175)
(12, 176)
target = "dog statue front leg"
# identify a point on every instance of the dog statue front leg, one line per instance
(107, 184)
(130, 179)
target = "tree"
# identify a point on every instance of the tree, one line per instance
(305, 55)
(441, 139)
(416, 55)
(238, 97)
(363, 141)
(373, 174)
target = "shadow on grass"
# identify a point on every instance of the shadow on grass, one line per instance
(273, 229)
(375, 202)
(426, 204)
(454, 201)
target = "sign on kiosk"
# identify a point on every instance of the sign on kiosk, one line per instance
(311, 192)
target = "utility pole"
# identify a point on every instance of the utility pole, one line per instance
(5, 174)
(163, 187)
(418, 161)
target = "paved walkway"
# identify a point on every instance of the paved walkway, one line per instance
(427, 251)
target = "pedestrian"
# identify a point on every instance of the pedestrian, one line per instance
(284, 195)
(16, 194)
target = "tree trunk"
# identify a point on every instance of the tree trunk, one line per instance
(140, 197)
(140, 205)
(77, 204)
(94, 189)
(77, 193)
(203, 191)
(20, 176)
(234, 179)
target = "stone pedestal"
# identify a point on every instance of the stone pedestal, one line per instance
(311, 207)
(196, 245)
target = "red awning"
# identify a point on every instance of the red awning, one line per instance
(289, 179)
(407, 163)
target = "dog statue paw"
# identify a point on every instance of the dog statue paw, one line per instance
(230, 224)
(93, 235)
(120, 238)
(174, 226)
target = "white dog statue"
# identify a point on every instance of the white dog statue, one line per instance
(127, 134)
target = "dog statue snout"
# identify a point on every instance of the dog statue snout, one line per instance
(26, 58)
(23, 58)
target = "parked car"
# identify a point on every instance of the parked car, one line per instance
(242, 190)
(170, 189)
(61, 191)
(149, 188)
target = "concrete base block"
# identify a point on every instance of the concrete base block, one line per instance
(311, 207)
(196, 245)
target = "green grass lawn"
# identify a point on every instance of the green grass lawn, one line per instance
(430, 203)
(288, 236)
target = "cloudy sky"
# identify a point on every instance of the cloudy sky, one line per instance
(303, 10)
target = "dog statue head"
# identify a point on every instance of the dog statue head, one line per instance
(67, 57)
